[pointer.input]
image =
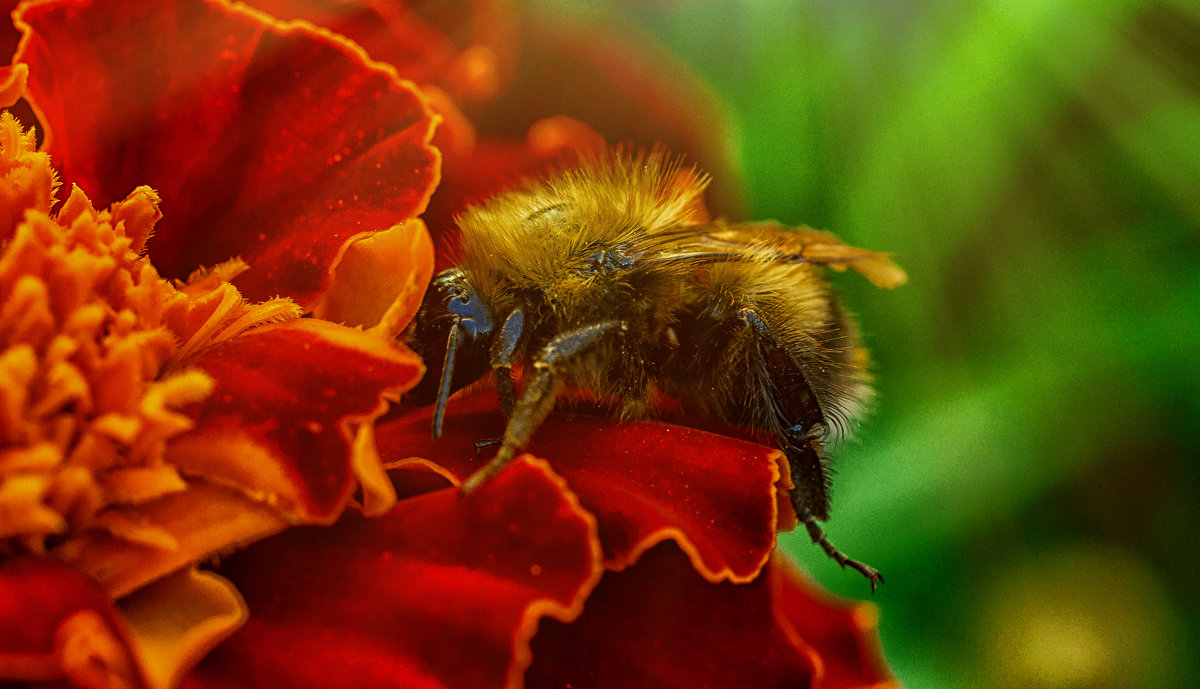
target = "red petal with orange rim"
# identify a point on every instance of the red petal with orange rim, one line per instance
(466, 46)
(280, 423)
(274, 142)
(659, 624)
(645, 482)
(56, 623)
(444, 591)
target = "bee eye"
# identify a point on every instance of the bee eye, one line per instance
(451, 304)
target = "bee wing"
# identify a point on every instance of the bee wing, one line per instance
(801, 245)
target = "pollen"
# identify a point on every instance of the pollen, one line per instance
(94, 346)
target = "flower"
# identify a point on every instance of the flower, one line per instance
(131, 405)
(290, 165)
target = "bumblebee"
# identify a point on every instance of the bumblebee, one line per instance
(609, 278)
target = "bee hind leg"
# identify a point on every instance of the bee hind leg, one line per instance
(817, 534)
(537, 399)
(796, 448)
(798, 421)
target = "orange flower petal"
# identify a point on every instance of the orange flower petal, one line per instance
(275, 142)
(27, 181)
(379, 282)
(13, 80)
(176, 621)
(200, 521)
(56, 623)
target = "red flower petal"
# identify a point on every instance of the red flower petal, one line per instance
(55, 623)
(645, 482)
(842, 633)
(274, 142)
(659, 624)
(444, 591)
(280, 422)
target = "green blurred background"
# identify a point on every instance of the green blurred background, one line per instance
(1028, 482)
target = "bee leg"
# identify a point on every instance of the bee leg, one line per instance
(802, 454)
(444, 383)
(798, 422)
(505, 350)
(481, 445)
(818, 536)
(537, 399)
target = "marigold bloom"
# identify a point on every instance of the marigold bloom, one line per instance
(610, 555)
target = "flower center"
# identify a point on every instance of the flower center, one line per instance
(93, 350)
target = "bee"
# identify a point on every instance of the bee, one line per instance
(609, 278)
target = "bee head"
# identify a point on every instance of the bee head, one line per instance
(452, 333)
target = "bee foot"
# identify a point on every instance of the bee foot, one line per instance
(867, 571)
(481, 445)
(818, 536)
(483, 474)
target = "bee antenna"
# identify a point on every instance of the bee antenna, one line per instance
(444, 384)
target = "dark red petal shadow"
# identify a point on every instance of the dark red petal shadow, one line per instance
(444, 591)
(273, 142)
(285, 400)
(644, 481)
(12, 78)
(659, 624)
(9, 36)
(841, 633)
